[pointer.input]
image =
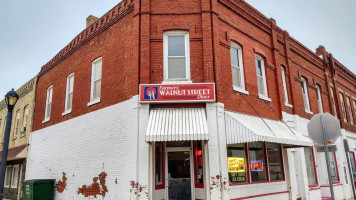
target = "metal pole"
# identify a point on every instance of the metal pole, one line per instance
(5, 149)
(349, 166)
(327, 159)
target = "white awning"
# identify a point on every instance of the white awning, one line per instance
(177, 124)
(241, 128)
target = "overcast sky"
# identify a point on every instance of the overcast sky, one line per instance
(33, 32)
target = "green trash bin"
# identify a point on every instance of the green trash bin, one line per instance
(38, 189)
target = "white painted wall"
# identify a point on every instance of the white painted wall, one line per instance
(101, 141)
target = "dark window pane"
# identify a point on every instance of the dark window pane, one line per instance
(234, 57)
(257, 162)
(237, 163)
(158, 162)
(274, 161)
(258, 67)
(199, 162)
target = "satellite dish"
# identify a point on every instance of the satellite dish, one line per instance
(331, 125)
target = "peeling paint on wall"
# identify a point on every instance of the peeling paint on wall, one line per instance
(95, 188)
(61, 185)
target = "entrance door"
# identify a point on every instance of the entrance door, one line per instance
(179, 181)
(294, 174)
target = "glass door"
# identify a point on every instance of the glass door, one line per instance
(179, 181)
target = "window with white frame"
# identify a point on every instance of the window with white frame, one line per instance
(25, 117)
(333, 100)
(176, 56)
(48, 103)
(15, 176)
(96, 80)
(69, 94)
(8, 175)
(17, 122)
(261, 76)
(318, 96)
(305, 95)
(343, 106)
(349, 109)
(284, 85)
(237, 69)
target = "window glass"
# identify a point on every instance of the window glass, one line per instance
(349, 109)
(343, 106)
(333, 167)
(8, 175)
(176, 68)
(176, 45)
(333, 100)
(274, 161)
(49, 102)
(284, 85)
(261, 76)
(352, 162)
(15, 176)
(237, 66)
(318, 95)
(69, 96)
(96, 79)
(17, 122)
(158, 163)
(309, 162)
(305, 95)
(199, 162)
(25, 117)
(237, 163)
(257, 162)
(258, 67)
(234, 56)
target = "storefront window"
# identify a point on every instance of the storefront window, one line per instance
(309, 162)
(333, 167)
(237, 163)
(274, 162)
(352, 162)
(159, 163)
(198, 164)
(257, 162)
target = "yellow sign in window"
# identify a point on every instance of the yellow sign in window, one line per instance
(236, 164)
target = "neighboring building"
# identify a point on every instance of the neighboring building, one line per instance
(224, 118)
(21, 126)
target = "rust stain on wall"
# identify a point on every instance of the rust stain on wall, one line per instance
(95, 188)
(61, 185)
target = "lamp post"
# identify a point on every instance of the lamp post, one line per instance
(10, 99)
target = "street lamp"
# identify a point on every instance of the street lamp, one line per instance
(10, 99)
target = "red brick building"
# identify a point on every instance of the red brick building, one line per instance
(267, 86)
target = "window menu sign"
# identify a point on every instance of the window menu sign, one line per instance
(236, 168)
(162, 93)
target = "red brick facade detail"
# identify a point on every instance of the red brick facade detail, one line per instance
(131, 47)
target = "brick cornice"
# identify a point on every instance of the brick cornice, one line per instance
(107, 20)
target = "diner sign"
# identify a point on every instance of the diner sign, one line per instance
(162, 93)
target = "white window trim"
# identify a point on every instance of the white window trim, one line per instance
(305, 87)
(47, 118)
(319, 99)
(241, 89)
(263, 97)
(284, 84)
(12, 175)
(165, 56)
(97, 100)
(67, 93)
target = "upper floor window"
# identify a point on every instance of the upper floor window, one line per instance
(343, 106)
(176, 56)
(261, 77)
(305, 95)
(3, 129)
(17, 122)
(95, 81)
(284, 85)
(25, 117)
(354, 107)
(69, 94)
(48, 103)
(349, 109)
(237, 69)
(333, 100)
(318, 96)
